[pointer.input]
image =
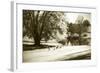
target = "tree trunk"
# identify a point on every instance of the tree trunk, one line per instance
(37, 40)
(80, 32)
(79, 39)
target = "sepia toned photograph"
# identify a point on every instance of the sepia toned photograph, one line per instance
(50, 36)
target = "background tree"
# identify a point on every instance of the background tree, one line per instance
(41, 24)
(78, 28)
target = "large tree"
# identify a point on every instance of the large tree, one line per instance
(41, 24)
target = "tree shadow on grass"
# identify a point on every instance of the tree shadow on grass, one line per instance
(82, 57)
(27, 47)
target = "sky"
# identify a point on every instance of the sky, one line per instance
(71, 17)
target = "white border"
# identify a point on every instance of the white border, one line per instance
(17, 40)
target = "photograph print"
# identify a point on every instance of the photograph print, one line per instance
(50, 36)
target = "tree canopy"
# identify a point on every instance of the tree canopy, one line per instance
(41, 24)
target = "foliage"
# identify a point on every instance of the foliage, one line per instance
(41, 24)
(78, 29)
